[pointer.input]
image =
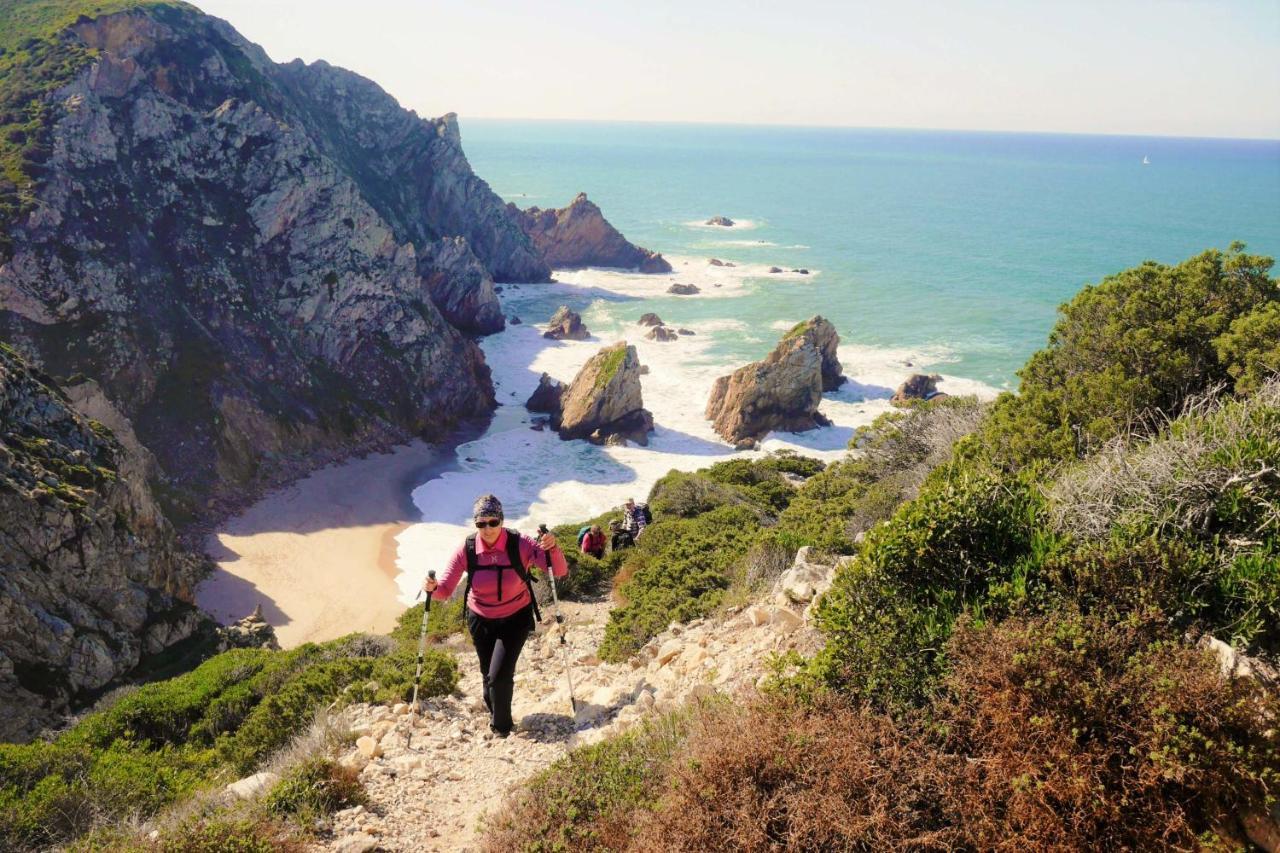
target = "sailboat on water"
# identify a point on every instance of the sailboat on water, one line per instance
(1146, 161)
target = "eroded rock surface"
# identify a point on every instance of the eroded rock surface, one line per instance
(782, 392)
(604, 401)
(918, 387)
(578, 235)
(91, 575)
(566, 325)
(257, 264)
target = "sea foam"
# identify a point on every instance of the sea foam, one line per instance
(542, 479)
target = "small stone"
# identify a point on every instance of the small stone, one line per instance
(757, 615)
(368, 747)
(786, 619)
(358, 843)
(669, 651)
(252, 786)
(400, 709)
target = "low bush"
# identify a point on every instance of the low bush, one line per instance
(1082, 732)
(1062, 732)
(314, 787)
(589, 799)
(889, 612)
(679, 571)
(166, 740)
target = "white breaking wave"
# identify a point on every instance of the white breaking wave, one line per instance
(542, 479)
(738, 224)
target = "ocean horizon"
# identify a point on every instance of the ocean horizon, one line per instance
(945, 252)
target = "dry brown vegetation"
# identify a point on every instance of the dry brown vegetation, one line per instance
(1060, 732)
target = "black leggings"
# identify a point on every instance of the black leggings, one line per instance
(498, 643)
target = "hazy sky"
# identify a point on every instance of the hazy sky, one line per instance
(1178, 67)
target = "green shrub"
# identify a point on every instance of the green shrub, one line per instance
(889, 612)
(232, 834)
(1250, 349)
(445, 620)
(167, 739)
(1135, 346)
(316, 786)
(679, 571)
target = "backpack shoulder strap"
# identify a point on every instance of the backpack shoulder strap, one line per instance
(473, 563)
(517, 563)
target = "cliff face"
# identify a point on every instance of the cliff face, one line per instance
(91, 578)
(248, 258)
(579, 236)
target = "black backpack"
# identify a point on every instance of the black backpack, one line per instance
(644, 511)
(513, 562)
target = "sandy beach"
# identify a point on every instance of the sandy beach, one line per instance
(320, 555)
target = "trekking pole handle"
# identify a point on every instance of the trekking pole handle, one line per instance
(431, 574)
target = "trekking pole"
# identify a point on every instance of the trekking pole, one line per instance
(555, 610)
(422, 648)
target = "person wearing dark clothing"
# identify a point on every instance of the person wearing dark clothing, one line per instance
(621, 537)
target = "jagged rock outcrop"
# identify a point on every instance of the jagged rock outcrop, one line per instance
(782, 392)
(91, 575)
(461, 287)
(566, 325)
(918, 387)
(650, 319)
(604, 403)
(722, 221)
(251, 260)
(822, 334)
(662, 334)
(251, 632)
(579, 236)
(684, 289)
(546, 397)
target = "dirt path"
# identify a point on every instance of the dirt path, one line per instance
(433, 796)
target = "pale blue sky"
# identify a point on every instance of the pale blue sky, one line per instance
(1169, 67)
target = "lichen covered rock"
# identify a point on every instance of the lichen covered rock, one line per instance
(91, 574)
(604, 400)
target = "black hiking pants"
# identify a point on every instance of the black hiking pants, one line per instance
(498, 643)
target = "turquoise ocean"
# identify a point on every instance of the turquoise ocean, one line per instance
(966, 242)
(929, 250)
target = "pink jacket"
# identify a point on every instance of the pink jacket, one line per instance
(484, 585)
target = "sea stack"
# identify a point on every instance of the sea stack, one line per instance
(579, 236)
(566, 325)
(604, 403)
(783, 391)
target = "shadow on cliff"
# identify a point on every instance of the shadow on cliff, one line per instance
(227, 598)
(363, 491)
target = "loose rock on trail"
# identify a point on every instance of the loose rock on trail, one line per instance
(432, 795)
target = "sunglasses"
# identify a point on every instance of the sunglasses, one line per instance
(493, 522)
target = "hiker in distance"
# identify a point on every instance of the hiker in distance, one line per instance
(499, 602)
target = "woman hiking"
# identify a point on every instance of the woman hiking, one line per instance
(499, 603)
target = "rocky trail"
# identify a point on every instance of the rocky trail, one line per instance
(433, 794)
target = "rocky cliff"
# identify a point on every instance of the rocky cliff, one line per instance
(783, 391)
(579, 236)
(254, 262)
(91, 577)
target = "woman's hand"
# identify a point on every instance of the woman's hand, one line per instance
(547, 541)
(429, 585)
